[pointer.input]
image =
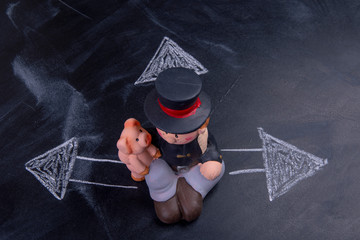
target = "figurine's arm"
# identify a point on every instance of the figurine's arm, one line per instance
(154, 151)
(211, 169)
(203, 139)
(211, 164)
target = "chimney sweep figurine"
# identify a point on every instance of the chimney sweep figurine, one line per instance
(190, 164)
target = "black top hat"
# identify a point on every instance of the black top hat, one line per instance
(177, 105)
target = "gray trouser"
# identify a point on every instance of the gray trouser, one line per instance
(162, 180)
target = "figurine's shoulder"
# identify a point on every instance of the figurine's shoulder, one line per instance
(211, 139)
(212, 152)
(203, 140)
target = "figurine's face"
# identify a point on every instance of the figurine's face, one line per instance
(178, 138)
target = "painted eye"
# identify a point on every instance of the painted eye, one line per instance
(176, 136)
(140, 130)
(137, 139)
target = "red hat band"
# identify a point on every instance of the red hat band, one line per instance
(184, 113)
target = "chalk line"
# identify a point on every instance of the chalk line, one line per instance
(243, 150)
(101, 184)
(82, 14)
(98, 160)
(255, 170)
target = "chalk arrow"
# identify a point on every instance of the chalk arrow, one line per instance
(53, 169)
(169, 55)
(286, 165)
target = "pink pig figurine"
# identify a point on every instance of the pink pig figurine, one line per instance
(136, 150)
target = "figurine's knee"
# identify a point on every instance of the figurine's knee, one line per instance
(200, 183)
(159, 174)
(222, 171)
(161, 181)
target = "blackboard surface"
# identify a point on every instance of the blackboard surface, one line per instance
(291, 67)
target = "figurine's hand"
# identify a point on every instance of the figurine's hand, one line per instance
(123, 157)
(154, 151)
(157, 154)
(135, 165)
(211, 169)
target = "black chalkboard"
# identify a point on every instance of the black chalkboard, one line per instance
(289, 70)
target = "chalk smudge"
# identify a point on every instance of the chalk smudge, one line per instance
(10, 12)
(33, 17)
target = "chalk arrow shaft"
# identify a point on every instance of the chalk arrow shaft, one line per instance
(101, 184)
(98, 160)
(243, 150)
(255, 170)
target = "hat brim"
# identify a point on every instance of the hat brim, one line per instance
(176, 125)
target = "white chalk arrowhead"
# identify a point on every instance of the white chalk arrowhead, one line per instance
(286, 165)
(53, 168)
(169, 55)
